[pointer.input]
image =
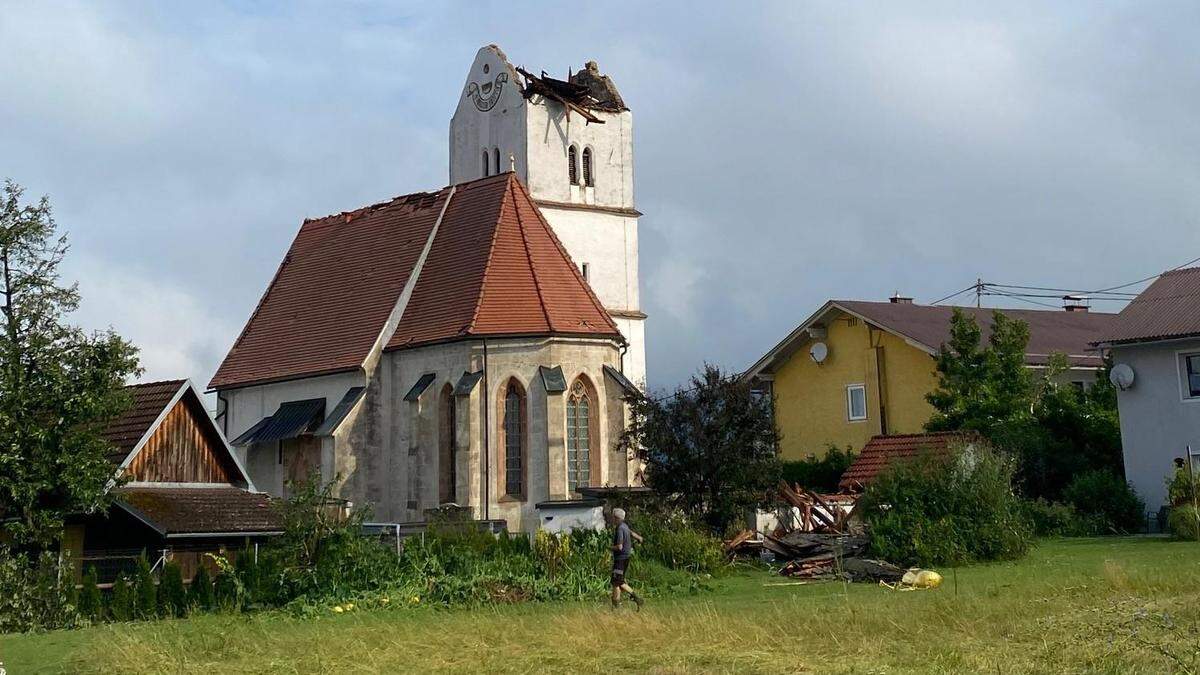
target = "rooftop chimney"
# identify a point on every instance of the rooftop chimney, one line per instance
(898, 299)
(1075, 303)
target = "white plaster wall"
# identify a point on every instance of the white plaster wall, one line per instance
(560, 520)
(551, 131)
(608, 243)
(1157, 423)
(502, 126)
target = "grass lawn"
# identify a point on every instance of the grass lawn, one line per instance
(1084, 605)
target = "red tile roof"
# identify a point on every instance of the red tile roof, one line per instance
(494, 268)
(882, 451)
(1168, 309)
(149, 399)
(1050, 331)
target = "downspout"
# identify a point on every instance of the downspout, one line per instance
(487, 434)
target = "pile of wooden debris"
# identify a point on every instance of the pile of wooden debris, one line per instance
(819, 538)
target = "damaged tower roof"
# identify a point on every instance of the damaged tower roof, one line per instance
(582, 92)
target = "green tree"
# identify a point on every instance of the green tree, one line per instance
(200, 593)
(122, 604)
(145, 593)
(710, 449)
(981, 388)
(59, 386)
(90, 605)
(172, 598)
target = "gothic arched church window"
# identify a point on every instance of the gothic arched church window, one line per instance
(513, 430)
(587, 168)
(580, 436)
(573, 165)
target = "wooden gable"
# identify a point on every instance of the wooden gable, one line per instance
(184, 448)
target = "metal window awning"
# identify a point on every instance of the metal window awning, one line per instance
(289, 421)
(553, 379)
(467, 382)
(621, 380)
(419, 388)
(343, 408)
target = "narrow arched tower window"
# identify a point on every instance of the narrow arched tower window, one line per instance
(573, 165)
(485, 163)
(587, 168)
(496, 156)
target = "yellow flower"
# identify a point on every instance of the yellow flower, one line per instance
(349, 606)
(414, 600)
(384, 600)
(338, 609)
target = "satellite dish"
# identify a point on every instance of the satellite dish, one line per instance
(1121, 376)
(819, 352)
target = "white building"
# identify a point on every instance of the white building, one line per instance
(571, 142)
(1155, 346)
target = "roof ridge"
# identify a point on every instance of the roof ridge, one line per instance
(176, 381)
(487, 268)
(537, 284)
(574, 268)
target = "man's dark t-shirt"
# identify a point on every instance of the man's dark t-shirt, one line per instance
(624, 540)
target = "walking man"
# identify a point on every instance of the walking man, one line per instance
(622, 549)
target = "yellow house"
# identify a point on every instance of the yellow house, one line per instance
(856, 369)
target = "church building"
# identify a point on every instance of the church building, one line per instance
(471, 345)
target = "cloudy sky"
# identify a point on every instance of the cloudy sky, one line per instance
(786, 153)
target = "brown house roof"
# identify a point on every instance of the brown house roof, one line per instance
(928, 328)
(188, 510)
(149, 400)
(883, 451)
(1168, 309)
(493, 268)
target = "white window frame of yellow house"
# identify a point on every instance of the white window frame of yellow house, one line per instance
(850, 388)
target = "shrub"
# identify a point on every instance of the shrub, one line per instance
(1055, 519)
(1181, 489)
(35, 593)
(90, 604)
(226, 592)
(200, 593)
(947, 510)
(1107, 498)
(247, 571)
(819, 474)
(122, 604)
(676, 542)
(172, 599)
(1184, 522)
(145, 593)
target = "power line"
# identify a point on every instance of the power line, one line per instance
(1061, 290)
(1154, 276)
(952, 295)
(1023, 299)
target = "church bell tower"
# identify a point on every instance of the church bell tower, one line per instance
(571, 142)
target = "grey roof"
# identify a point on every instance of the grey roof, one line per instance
(620, 379)
(420, 386)
(553, 379)
(343, 408)
(467, 382)
(1169, 309)
(289, 421)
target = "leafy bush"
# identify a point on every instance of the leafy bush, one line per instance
(122, 603)
(947, 510)
(200, 593)
(145, 593)
(1184, 522)
(1055, 519)
(35, 593)
(172, 599)
(1107, 498)
(677, 543)
(819, 474)
(1181, 488)
(90, 605)
(246, 570)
